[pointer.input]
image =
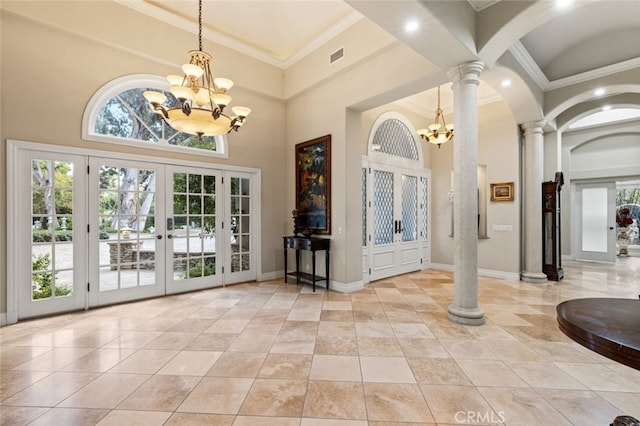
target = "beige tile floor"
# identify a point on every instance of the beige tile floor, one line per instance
(275, 354)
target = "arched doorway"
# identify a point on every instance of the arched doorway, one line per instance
(396, 188)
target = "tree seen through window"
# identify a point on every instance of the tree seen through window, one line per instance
(128, 115)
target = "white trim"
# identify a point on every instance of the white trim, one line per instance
(387, 159)
(346, 287)
(135, 81)
(12, 213)
(224, 40)
(125, 156)
(488, 273)
(13, 151)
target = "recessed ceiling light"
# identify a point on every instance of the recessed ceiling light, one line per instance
(606, 107)
(506, 83)
(599, 92)
(411, 26)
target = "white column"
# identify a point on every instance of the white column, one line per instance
(465, 309)
(532, 201)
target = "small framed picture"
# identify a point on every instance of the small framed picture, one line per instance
(502, 191)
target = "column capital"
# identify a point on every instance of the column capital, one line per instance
(468, 72)
(532, 127)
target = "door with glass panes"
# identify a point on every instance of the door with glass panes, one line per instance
(51, 269)
(396, 221)
(195, 234)
(99, 232)
(210, 228)
(126, 207)
(595, 221)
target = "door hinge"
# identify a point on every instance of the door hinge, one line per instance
(369, 271)
(222, 180)
(88, 228)
(88, 287)
(421, 261)
(369, 237)
(88, 169)
(223, 269)
(222, 225)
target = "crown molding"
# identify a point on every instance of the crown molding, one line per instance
(224, 40)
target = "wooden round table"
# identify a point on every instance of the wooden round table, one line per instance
(608, 326)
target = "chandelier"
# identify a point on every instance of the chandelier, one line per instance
(202, 98)
(437, 133)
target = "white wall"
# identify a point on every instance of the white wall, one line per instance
(603, 152)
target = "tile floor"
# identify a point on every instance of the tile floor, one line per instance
(275, 354)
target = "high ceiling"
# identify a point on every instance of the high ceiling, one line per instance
(585, 40)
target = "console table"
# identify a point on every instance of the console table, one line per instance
(307, 244)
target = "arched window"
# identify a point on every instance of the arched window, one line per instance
(392, 136)
(119, 113)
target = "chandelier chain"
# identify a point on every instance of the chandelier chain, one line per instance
(200, 25)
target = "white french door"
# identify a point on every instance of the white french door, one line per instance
(210, 228)
(194, 257)
(397, 221)
(126, 210)
(89, 231)
(594, 217)
(50, 240)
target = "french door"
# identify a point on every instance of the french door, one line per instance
(397, 221)
(92, 231)
(50, 241)
(194, 226)
(126, 210)
(595, 221)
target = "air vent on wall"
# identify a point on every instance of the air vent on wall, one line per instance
(335, 56)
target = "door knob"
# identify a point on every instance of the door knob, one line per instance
(159, 237)
(169, 236)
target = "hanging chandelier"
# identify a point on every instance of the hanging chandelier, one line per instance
(437, 133)
(202, 98)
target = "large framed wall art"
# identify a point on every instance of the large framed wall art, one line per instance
(313, 186)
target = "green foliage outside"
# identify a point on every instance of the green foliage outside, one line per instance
(44, 279)
(45, 236)
(129, 115)
(197, 271)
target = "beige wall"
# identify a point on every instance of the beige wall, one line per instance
(49, 74)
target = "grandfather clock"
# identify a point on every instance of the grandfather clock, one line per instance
(551, 248)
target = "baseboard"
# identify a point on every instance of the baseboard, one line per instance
(3, 320)
(268, 276)
(346, 288)
(488, 273)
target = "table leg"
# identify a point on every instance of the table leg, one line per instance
(297, 266)
(313, 268)
(285, 264)
(326, 267)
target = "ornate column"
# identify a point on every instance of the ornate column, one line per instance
(532, 201)
(465, 309)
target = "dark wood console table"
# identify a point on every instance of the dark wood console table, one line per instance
(307, 244)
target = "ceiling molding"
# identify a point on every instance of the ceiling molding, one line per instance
(353, 17)
(523, 57)
(594, 74)
(189, 26)
(224, 40)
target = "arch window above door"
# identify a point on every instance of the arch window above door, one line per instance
(119, 113)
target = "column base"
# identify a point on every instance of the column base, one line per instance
(466, 316)
(533, 277)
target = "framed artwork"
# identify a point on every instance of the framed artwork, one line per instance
(502, 191)
(313, 185)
